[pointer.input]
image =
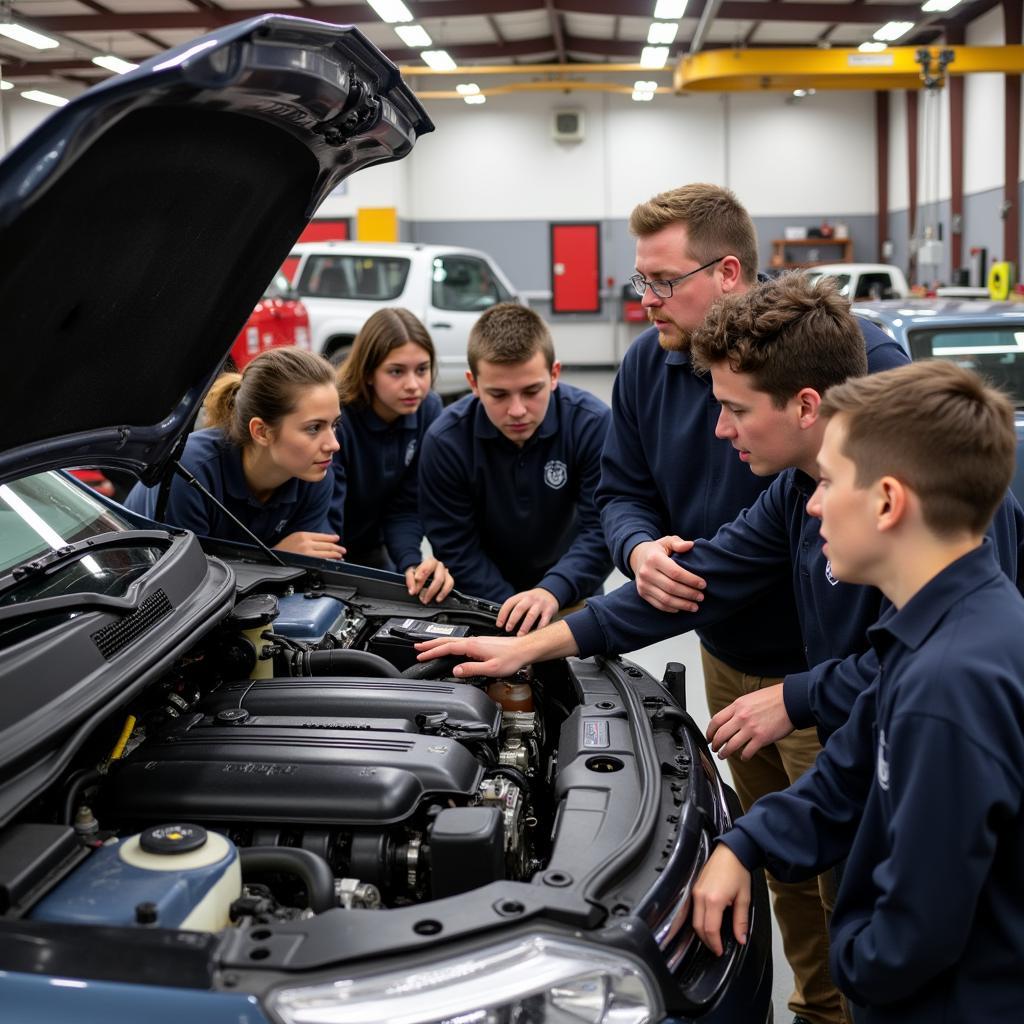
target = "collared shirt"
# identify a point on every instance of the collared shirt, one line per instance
(375, 499)
(665, 472)
(506, 518)
(923, 792)
(217, 464)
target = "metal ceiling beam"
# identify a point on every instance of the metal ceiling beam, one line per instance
(555, 21)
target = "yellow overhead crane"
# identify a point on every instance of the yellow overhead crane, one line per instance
(897, 67)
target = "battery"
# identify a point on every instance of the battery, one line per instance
(395, 638)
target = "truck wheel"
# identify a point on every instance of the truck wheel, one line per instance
(337, 350)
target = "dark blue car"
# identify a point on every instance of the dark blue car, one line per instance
(984, 336)
(228, 793)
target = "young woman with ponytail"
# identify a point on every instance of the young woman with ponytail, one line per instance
(387, 406)
(266, 455)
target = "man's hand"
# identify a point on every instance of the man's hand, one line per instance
(501, 655)
(724, 882)
(749, 723)
(430, 579)
(529, 608)
(315, 545)
(661, 582)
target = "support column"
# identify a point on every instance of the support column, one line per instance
(955, 84)
(882, 167)
(1011, 133)
(912, 98)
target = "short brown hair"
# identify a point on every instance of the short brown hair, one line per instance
(787, 334)
(509, 333)
(383, 332)
(937, 427)
(268, 388)
(717, 224)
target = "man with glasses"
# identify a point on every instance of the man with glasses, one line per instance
(665, 476)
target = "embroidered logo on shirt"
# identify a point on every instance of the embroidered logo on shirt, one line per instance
(883, 761)
(555, 474)
(281, 525)
(828, 573)
(410, 451)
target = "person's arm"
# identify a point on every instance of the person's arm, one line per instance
(950, 797)
(449, 519)
(883, 352)
(501, 655)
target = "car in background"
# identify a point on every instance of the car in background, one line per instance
(279, 320)
(228, 790)
(987, 337)
(858, 281)
(342, 283)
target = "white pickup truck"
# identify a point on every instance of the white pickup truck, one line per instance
(864, 280)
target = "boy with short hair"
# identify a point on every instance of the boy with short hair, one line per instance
(923, 789)
(508, 474)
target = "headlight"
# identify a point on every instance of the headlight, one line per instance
(534, 980)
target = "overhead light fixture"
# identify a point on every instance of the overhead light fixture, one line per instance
(939, 5)
(799, 93)
(662, 33)
(6, 85)
(467, 88)
(643, 92)
(45, 97)
(669, 10)
(892, 30)
(439, 60)
(654, 56)
(872, 47)
(413, 35)
(20, 34)
(115, 64)
(476, 99)
(390, 10)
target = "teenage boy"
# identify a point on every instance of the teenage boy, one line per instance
(923, 790)
(665, 475)
(507, 476)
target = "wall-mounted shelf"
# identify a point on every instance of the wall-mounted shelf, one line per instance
(835, 250)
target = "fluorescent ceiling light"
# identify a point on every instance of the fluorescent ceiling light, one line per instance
(669, 10)
(20, 34)
(390, 10)
(467, 88)
(413, 35)
(939, 5)
(799, 93)
(115, 64)
(662, 32)
(478, 98)
(642, 96)
(439, 60)
(871, 47)
(6, 85)
(645, 86)
(45, 97)
(654, 56)
(892, 30)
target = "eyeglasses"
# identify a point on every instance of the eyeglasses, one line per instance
(663, 289)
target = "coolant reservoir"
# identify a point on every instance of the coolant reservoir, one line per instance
(252, 617)
(515, 694)
(171, 876)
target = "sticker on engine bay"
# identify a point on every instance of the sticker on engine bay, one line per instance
(434, 628)
(595, 732)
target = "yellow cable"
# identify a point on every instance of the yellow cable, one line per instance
(118, 752)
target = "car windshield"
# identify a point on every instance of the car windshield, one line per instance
(373, 278)
(994, 350)
(465, 283)
(842, 282)
(40, 514)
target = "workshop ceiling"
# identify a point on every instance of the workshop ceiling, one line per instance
(473, 32)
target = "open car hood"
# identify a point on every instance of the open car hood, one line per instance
(141, 222)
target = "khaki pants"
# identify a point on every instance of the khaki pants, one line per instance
(801, 908)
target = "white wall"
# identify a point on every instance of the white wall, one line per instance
(899, 186)
(984, 112)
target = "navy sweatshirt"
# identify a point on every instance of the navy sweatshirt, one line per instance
(505, 518)
(664, 472)
(375, 498)
(923, 793)
(217, 464)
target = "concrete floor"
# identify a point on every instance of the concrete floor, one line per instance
(685, 649)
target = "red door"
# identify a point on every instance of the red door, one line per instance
(325, 229)
(575, 268)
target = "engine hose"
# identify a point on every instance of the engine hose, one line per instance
(435, 669)
(343, 662)
(78, 782)
(310, 867)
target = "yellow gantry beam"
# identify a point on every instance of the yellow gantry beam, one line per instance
(894, 68)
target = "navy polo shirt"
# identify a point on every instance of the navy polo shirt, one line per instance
(506, 518)
(665, 472)
(375, 498)
(923, 793)
(217, 464)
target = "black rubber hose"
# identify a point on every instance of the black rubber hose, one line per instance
(435, 669)
(345, 663)
(79, 782)
(310, 867)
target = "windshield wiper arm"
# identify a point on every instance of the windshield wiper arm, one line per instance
(71, 552)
